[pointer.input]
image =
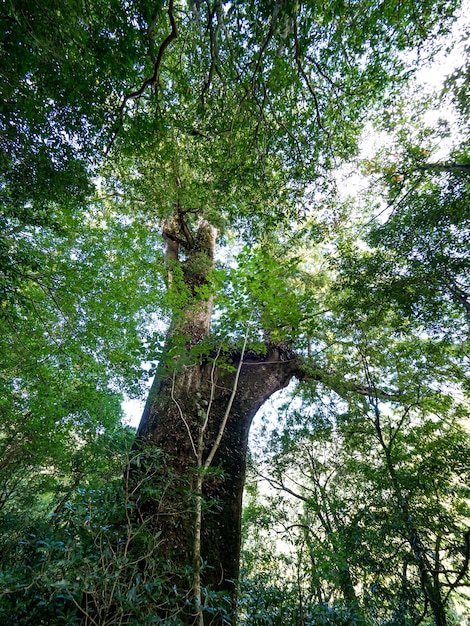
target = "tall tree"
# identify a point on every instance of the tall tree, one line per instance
(236, 143)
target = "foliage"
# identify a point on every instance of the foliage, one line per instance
(354, 496)
(92, 561)
(367, 489)
(118, 115)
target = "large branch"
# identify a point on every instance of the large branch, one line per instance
(342, 386)
(304, 370)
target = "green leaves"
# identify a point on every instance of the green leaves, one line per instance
(363, 503)
(254, 107)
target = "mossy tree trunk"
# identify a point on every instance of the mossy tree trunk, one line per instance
(219, 392)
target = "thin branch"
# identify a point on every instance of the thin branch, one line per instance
(214, 48)
(306, 79)
(323, 74)
(272, 25)
(400, 423)
(393, 204)
(276, 484)
(84, 612)
(211, 398)
(425, 611)
(464, 568)
(215, 447)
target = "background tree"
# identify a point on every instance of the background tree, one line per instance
(364, 470)
(381, 532)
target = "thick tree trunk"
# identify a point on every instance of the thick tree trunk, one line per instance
(172, 421)
(199, 413)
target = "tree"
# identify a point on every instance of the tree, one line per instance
(212, 397)
(224, 115)
(365, 469)
(417, 251)
(381, 533)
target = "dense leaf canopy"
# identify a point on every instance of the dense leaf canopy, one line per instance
(118, 116)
